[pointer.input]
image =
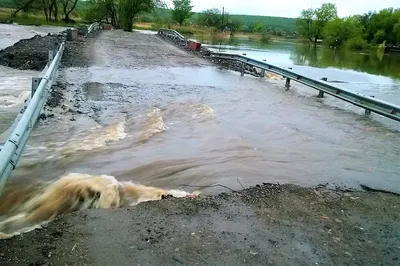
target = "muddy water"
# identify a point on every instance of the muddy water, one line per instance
(374, 73)
(14, 90)
(10, 34)
(15, 84)
(148, 119)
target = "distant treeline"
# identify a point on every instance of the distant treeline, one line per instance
(355, 32)
(163, 16)
(212, 18)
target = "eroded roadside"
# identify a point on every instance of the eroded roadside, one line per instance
(263, 225)
(266, 224)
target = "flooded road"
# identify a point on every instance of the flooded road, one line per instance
(154, 114)
(374, 73)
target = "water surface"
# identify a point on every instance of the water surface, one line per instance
(373, 73)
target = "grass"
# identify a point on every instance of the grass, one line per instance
(34, 19)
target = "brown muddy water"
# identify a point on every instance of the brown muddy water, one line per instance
(155, 115)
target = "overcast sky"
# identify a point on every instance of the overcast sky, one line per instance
(292, 8)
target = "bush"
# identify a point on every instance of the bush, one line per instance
(147, 18)
(265, 37)
(357, 43)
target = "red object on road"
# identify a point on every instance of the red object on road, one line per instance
(107, 27)
(192, 45)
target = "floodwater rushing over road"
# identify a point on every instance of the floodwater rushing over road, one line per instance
(148, 112)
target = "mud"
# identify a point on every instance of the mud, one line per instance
(30, 53)
(75, 53)
(263, 225)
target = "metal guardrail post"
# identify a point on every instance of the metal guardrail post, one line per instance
(14, 146)
(35, 84)
(287, 84)
(262, 74)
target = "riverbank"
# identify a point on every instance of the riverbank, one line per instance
(264, 224)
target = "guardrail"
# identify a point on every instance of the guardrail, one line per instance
(370, 104)
(14, 146)
(172, 34)
(93, 26)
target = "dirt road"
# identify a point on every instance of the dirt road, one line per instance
(262, 225)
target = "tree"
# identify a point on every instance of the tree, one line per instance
(210, 18)
(258, 28)
(233, 24)
(103, 11)
(311, 22)
(68, 6)
(338, 31)
(396, 31)
(161, 14)
(22, 5)
(130, 9)
(182, 11)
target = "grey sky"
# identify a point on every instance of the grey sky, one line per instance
(292, 8)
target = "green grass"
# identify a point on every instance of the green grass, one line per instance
(34, 19)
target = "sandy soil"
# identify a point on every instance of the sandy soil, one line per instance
(263, 225)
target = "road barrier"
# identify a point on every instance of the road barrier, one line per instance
(14, 146)
(370, 104)
(93, 26)
(172, 34)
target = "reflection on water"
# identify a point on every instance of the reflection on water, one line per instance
(375, 63)
(374, 73)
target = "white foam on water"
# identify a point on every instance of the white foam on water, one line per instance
(203, 111)
(153, 124)
(9, 101)
(26, 206)
(94, 138)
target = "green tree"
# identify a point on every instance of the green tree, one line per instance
(210, 18)
(258, 28)
(130, 9)
(233, 24)
(68, 6)
(103, 11)
(338, 31)
(161, 13)
(380, 26)
(182, 11)
(305, 24)
(311, 22)
(396, 31)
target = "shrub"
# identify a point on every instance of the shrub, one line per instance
(357, 43)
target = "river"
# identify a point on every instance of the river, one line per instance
(367, 73)
(15, 84)
(159, 116)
